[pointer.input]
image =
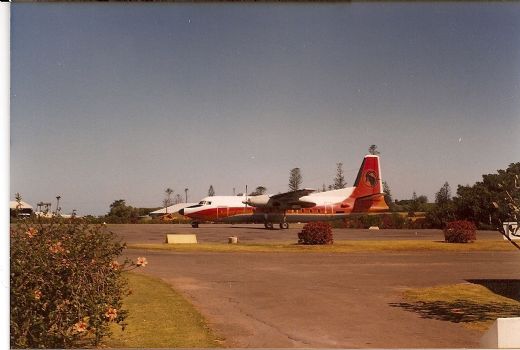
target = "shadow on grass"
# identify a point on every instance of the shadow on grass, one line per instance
(509, 288)
(460, 311)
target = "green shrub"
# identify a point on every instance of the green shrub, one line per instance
(66, 284)
(339, 223)
(460, 232)
(392, 221)
(316, 233)
(397, 221)
(354, 222)
(371, 220)
(415, 223)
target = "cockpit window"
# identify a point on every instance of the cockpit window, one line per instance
(208, 203)
(202, 202)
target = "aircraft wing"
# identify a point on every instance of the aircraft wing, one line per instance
(292, 195)
(287, 200)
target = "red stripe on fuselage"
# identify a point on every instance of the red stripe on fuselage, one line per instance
(216, 214)
(369, 204)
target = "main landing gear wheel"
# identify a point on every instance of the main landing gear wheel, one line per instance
(284, 225)
(195, 224)
(268, 225)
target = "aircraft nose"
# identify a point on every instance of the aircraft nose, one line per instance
(181, 211)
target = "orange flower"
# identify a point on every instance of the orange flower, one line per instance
(114, 265)
(31, 232)
(37, 294)
(141, 261)
(57, 248)
(80, 327)
(111, 314)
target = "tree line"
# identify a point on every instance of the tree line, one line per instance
(487, 203)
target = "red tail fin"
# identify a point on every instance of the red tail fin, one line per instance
(368, 190)
(368, 181)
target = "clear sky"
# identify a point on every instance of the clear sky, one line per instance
(121, 101)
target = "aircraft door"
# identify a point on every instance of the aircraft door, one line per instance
(222, 212)
(328, 208)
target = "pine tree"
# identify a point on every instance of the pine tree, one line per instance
(373, 150)
(444, 195)
(339, 180)
(388, 195)
(295, 179)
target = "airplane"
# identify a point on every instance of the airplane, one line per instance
(303, 205)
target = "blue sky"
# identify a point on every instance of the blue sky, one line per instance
(112, 101)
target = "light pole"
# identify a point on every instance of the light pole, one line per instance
(57, 204)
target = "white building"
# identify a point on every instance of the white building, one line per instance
(24, 209)
(172, 209)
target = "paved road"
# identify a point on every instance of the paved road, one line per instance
(321, 300)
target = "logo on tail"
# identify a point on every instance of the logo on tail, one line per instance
(371, 178)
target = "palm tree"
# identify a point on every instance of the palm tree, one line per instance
(168, 201)
(177, 199)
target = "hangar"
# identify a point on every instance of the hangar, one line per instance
(172, 209)
(20, 209)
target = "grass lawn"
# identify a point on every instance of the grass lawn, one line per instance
(159, 317)
(337, 247)
(473, 305)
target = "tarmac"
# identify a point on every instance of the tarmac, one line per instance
(254, 233)
(354, 300)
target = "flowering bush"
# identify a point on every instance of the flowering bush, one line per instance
(460, 232)
(316, 233)
(66, 284)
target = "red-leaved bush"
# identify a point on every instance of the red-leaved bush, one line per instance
(316, 233)
(460, 232)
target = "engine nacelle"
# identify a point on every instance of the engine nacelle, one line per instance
(258, 201)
